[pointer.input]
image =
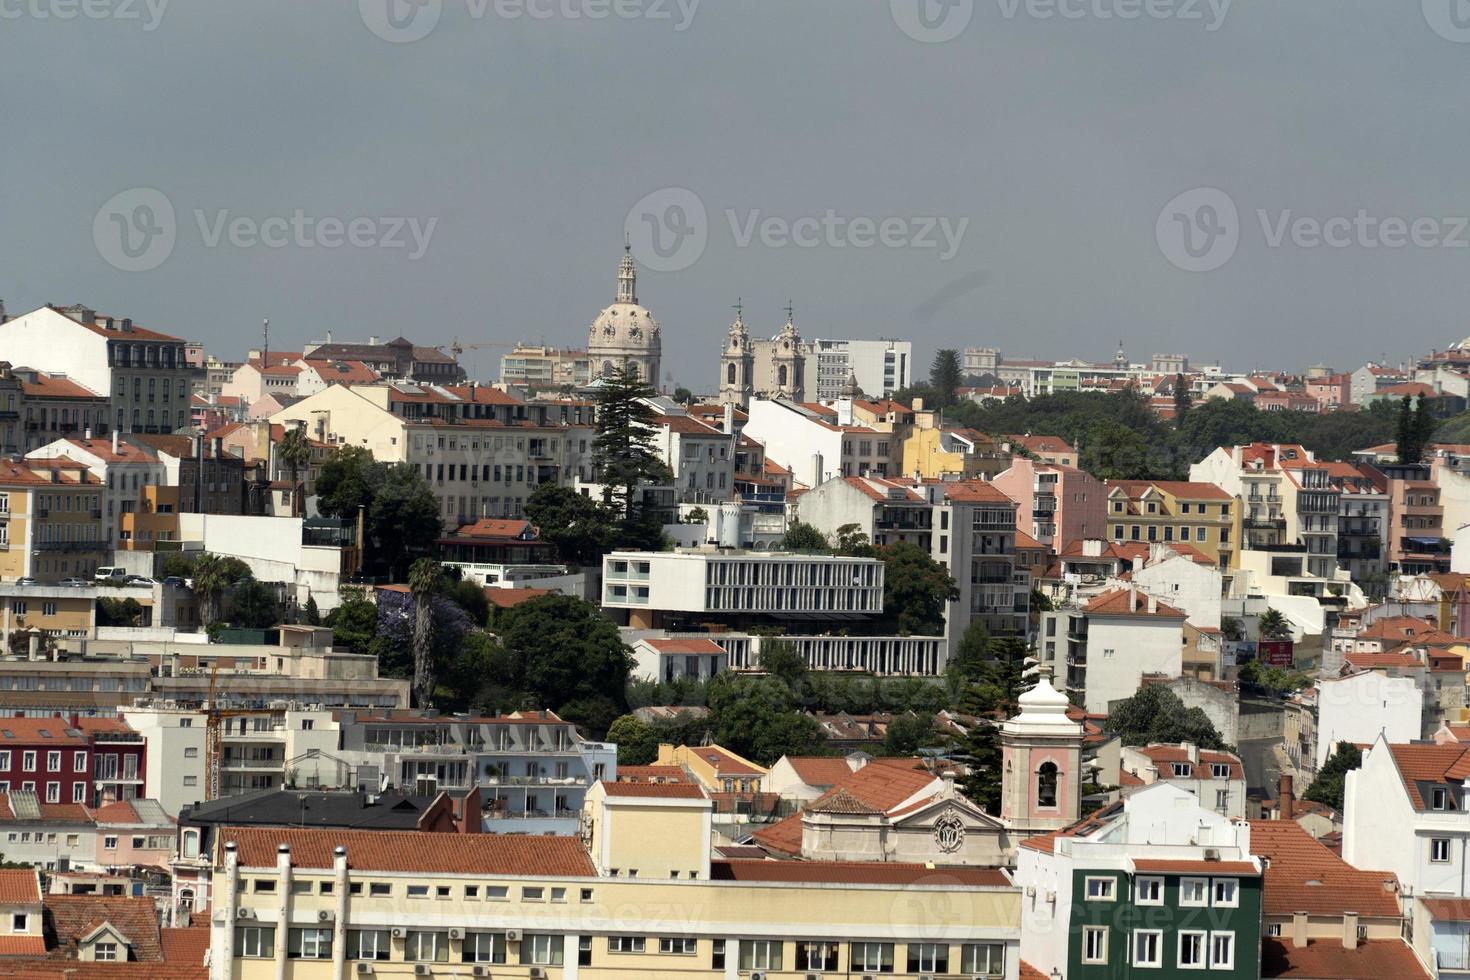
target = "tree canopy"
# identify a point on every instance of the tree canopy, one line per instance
(623, 447)
(1331, 780)
(916, 590)
(1156, 714)
(400, 512)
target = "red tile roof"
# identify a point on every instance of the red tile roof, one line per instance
(1304, 876)
(426, 853)
(819, 770)
(855, 873)
(41, 731)
(73, 917)
(1382, 661)
(725, 762)
(666, 791)
(1182, 489)
(1448, 909)
(975, 492)
(185, 947)
(506, 598)
(652, 774)
(1420, 763)
(881, 785)
(50, 386)
(1324, 959)
(134, 332)
(22, 945)
(1129, 602)
(1165, 755)
(19, 886)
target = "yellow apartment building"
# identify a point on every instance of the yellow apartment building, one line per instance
(155, 520)
(714, 767)
(1200, 515)
(50, 520)
(639, 894)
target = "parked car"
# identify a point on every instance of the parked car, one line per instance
(25, 580)
(110, 573)
(74, 583)
(173, 581)
(139, 580)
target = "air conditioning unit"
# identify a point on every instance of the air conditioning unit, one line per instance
(757, 976)
(243, 913)
(538, 973)
(325, 915)
(456, 933)
(1211, 854)
(480, 971)
(364, 968)
(512, 935)
(422, 970)
(399, 932)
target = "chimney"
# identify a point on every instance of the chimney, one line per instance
(1153, 605)
(1350, 930)
(114, 442)
(33, 645)
(1193, 751)
(127, 324)
(728, 426)
(1287, 802)
(1299, 930)
(87, 433)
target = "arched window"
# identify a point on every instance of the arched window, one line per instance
(730, 374)
(1046, 784)
(781, 376)
(606, 368)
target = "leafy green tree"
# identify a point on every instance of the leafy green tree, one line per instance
(683, 395)
(1410, 449)
(313, 614)
(562, 649)
(178, 565)
(910, 733)
(980, 753)
(759, 718)
(636, 739)
(255, 605)
(1273, 680)
(1272, 625)
(119, 612)
(784, 662)
(852, 542)
(424, 579)
(348, 482)
(1182, 401)
(468, 596)
(972, 653)
(946, 374)
(214, 575)
(404, 518)
(354, 622)
(804, 537)
(581, 529)
(1331, 780)
(916, 589)
(696, 515)
(623, 448)
(1155, 714)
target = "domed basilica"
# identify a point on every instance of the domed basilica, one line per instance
(625, 334)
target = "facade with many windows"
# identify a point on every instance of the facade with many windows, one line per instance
(1153, 886)
(638, 894)
(1198, 514)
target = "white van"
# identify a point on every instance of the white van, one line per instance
(110, 573)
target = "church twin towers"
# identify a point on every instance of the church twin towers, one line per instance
(626, 335)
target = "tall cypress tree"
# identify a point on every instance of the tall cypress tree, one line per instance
(1407, 434)
(623, 449)
(1182, 401)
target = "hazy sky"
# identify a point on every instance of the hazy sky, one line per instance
(518, 138)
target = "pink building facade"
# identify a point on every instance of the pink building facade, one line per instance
(1056, 504)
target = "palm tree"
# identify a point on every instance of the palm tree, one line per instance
(1273, 626)
(423, 582)
(213, 575)
(295, 452)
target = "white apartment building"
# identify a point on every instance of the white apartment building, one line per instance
(1360, 707)
(652, 585)
(122, 468)
(1105, 647)
(143, 372)
(880, 367)
(1405, 811)
(700, 456)
(817, 445)
(482, 451)
(1216, 779)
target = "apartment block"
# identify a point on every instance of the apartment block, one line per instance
(1195, 513)
(1057, 504)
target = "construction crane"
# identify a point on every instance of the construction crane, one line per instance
(457, 348)
(213, 737)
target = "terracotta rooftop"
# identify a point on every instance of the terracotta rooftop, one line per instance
(816, 770)
(1130, 602)
(665, 791)
(1422, 764)
(1304, 876)
(855, 873)
(686, 645)
(1179, 866)
(1164, 756)
(1448, 909)
(71, 917)
(1323, 959)
(1182, 489)
(19, 886)
(652, 774)
(406, 851)
(506, 598)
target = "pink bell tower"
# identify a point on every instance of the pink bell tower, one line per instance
(1041, 751)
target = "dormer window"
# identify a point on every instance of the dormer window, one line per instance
(1182, 769)
(1220, 770)
(1440, 799)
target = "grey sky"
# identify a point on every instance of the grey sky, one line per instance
(529, 140)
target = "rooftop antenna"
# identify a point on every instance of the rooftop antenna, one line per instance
(265, 343)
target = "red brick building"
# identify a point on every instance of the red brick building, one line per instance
(77, 760)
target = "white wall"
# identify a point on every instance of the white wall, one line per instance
(1358, 708)
(1188, 586)
(170, 763)
(1120, 651)
(792, 440)
(1378, 819)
